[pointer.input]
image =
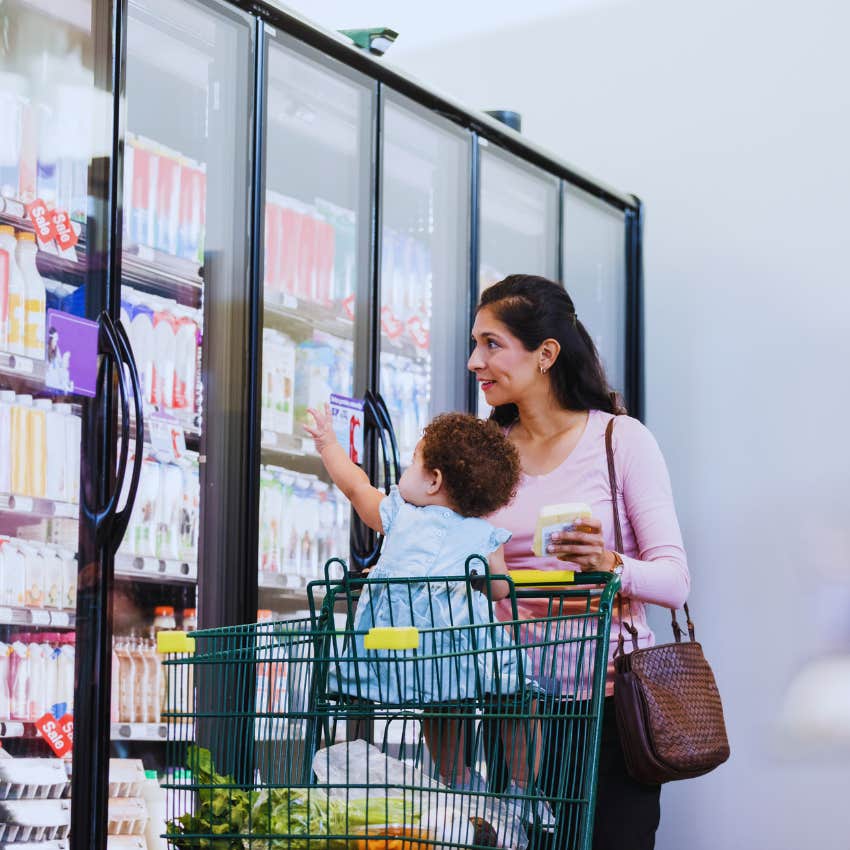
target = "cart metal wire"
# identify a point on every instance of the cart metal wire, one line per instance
(312, 733)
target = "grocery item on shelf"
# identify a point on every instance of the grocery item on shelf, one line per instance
(35, 301)
(303, 522)
(5, 261)
(138, 680)
(13, 332)
(406, 289)
(278, 397)
(164, 520)
(189, 621)
(40, 445)
(310, 253)
(32, 778)
(406, 390)
(154, 798)
(37, 676)
(164, 199)
(126, 816)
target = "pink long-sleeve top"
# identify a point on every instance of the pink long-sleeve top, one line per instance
(655, 568)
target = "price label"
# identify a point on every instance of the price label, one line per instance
(22, 364)
(42, 221)
(347, 419)
(59, 734)
(6, 615)
(290, 302)
(65, 235)
(40, 618)
(21, 504)
(60, 618)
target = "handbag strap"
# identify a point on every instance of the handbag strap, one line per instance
(618, 544)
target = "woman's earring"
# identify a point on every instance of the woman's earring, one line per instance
(542, 370)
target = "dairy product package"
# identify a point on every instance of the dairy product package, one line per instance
(4, 297)
(193, 199)
(164, 355)
(291, 221)
(314, 362)
(7, 399)
(35, 569)
(5, 696)
(170, 505)
(190, 510)
(324, 263)
(14, 588)
(185, 362)
(167, 210)
(69, 580)
(140, 331)
(73, 440)
(554, 519)
(144, 165)
(273, 227)
(19, 681)
(54, 579)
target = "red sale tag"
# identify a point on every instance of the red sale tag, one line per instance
(42, 221)
(65, 236)
(59, 734)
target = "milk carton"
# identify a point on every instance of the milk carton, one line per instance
(193, 192)
(140, 331)
(185, 361)
(164, 355)
(167, 216)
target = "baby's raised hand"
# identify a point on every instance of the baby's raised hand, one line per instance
(321, 430)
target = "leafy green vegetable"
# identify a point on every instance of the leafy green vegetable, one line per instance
(228, 817)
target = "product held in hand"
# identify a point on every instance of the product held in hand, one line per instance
(553, 519)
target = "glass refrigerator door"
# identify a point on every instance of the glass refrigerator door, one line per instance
(315, 316)
(595, 276)
(424, 271)
(518, 223)
(184, 256)
(53, 125)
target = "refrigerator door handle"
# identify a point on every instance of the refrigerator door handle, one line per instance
(110, 348)
(122, 517)
(386, 421)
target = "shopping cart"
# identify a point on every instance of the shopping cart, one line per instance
(313, 733)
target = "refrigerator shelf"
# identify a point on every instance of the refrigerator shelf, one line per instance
(37, 617)
(403, 346)
(151, 731)
(37, 508)
(165, 275)
(25, 368)
(150, 568)
(283, 588)
(287, 313)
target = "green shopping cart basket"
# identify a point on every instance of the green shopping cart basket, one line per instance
(418, 728)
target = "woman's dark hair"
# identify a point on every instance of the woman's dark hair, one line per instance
(534, 309)
(480, 465)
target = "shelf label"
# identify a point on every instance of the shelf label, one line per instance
(22, 364)
(71, 353)
(7, 615)
(59, 734)
(347, 417)
(39, 618)
(290, 302)
(21, 504)
(60, 618)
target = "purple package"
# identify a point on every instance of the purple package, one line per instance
(71, 353)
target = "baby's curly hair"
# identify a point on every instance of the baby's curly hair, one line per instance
(480, 466)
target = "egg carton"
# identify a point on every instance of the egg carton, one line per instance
(126, 777)
(34, 820)
(33, 779)
(125, 842)
(127, 816)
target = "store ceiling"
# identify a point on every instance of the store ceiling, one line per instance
(422, 24)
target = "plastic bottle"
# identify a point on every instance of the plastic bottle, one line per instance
(190, 620)
(165, 348)
(115, 685)
(34, 596)
(14, 586)
(153, 669)
(126, 676)
(19, 680)
(56, 467)
(154, 796)
(69, 580)
(20, 430)
(7, 399)
(5, 262)
(142, 686)
(54, 578)
(35, 305)
(38, 677)
(38, 448)
(5, 696)
(65, 671)
(163, 620)
(17, 291)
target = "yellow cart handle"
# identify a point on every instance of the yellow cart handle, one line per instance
(533, 578)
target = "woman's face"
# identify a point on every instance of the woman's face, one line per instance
(505, 370)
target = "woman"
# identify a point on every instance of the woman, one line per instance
(539, 370)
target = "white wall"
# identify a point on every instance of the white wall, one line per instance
(732, 121)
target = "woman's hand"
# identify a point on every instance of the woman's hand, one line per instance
(583, 546)
(322, 431)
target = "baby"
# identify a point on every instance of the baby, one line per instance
(463, 469)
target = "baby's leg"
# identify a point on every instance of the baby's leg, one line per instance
(445, 739)
(519, 735)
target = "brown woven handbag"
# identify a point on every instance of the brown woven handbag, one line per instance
(667, 704)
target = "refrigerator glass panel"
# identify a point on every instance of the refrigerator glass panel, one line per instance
(315, 262)
(183, 252)
(424, 289)
(53, 124)
(595, 276)
(518, 223)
